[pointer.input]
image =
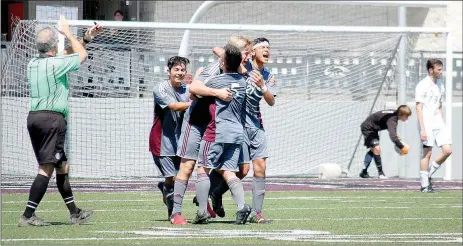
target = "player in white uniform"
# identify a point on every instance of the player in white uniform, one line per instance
(429, 95)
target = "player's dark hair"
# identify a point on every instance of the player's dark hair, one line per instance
(118, 11)
(177, 60)
(232, 58)
(260, 40)
(432, 63)
(404, 110)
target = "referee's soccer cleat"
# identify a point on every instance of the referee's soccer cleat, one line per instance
(202, 218)
(209, 209)
(82, 217)
(32, 221)
(242, 215)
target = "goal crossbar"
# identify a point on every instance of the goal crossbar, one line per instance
(274, 28)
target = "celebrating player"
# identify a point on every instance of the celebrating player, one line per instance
(429, 95)
(259, 85)
(381, 120)
(47, 75)
(196, 119)
(221, 145)
(171, 98)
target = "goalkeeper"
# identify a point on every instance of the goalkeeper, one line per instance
(47, 75)
(381, 120)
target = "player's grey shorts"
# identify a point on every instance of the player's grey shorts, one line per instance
(220, 156)
(254, 145)
(189, 141)
(168, 165)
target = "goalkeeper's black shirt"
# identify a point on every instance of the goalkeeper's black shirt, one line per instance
(382, 120)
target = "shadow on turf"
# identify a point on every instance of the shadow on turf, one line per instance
(210, 221)
(69, 224)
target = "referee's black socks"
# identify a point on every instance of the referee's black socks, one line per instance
(36, 193)
(62, 182)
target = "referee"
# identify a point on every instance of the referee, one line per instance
(46, 122)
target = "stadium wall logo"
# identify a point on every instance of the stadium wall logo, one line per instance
(336, 72)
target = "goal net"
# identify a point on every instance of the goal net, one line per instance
(328, 82)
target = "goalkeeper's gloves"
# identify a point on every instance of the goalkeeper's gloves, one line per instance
(404, 150)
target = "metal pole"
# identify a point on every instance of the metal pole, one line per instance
(402, 20)
(448, 99)
(402, 83)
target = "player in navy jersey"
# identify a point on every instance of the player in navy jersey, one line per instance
(171, 98)
(381, 120)
(221, 145)
(260, 84)
(196, 120)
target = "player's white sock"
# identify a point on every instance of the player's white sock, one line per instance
(424, 179)
(433, 168)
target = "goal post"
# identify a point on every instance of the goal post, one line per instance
(329, 79)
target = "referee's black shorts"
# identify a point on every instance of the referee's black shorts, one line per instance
(47, 130)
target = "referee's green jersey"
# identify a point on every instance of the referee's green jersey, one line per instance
(48, 80)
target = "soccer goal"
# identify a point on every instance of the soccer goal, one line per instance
(329, 79)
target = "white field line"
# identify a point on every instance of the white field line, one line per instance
(283, 235)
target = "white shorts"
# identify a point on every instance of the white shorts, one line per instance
(439, 136)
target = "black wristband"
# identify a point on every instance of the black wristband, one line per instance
(85, 41)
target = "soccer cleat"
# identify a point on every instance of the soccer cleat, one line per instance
(32, 221)
(364, 175)
(259, 219)
(202, 218)
(382, 176)
(209, 209)
(161, 187)
(217, 206)
(427, 189)
(242, 215)
(177, 219)
(82, 217)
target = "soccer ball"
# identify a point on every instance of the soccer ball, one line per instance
(399, 151)
(329, 171)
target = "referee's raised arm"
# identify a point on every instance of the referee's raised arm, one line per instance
(76, 45)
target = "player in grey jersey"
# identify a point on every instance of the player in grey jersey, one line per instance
(260, 84)
(222, 141)
(195, 121)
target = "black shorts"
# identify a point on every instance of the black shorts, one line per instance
(371, 138)
(47, 131)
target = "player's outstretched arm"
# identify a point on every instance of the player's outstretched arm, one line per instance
(197, 87)
(179, 106)
(392, 129)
